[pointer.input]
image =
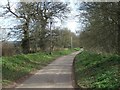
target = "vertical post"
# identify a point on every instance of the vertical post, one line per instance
(50, 38)
(71, 42)
(1, 39)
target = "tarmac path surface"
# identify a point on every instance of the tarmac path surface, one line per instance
(57, 74)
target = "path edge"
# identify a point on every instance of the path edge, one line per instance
(74, 79)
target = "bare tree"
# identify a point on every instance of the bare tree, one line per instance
(34, 18)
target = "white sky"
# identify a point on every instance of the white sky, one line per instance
(72, 20)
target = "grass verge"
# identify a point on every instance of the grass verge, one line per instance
(97, 71)
(15, 67)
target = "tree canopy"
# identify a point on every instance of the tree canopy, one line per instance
(102, 27)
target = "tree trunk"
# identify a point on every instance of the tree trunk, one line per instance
(42, 42)
(25, 40)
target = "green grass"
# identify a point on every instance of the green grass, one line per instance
(15, 67)
(97, 71)
(77, 49)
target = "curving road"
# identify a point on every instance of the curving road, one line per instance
(58, 74)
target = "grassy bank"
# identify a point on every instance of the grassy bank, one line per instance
(15, 67)
(97, 71)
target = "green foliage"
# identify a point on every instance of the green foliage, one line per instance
(63, 52)
(101, 32)
(97, 71)
(77, 49)
(15, 67)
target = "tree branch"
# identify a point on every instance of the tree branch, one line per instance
(9, 9)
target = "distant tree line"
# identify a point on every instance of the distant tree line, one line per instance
(102, 26)
(61, 38)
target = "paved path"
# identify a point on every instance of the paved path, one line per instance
(58, 74)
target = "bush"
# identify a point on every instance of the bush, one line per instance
(77, 49)
(8, 49)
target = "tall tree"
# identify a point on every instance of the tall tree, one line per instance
(23, 12)
(46, 12)
(34, 18)
(101, 27)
